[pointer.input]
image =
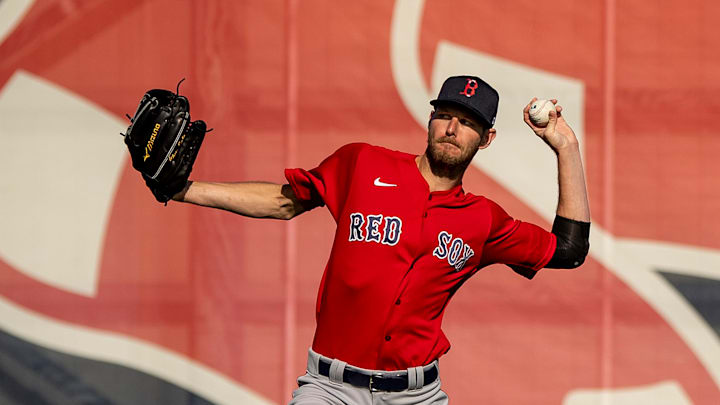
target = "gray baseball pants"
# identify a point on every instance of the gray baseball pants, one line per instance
(317, 389)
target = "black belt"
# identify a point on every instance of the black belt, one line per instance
(386, 381)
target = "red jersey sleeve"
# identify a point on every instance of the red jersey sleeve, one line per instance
(329, 183)
(523, 246)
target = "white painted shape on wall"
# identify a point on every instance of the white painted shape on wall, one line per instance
(11, 13)
(61, 160)
(662, 393)
(405, 58)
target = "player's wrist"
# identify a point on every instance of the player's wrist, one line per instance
(180, 195)
(567, 146)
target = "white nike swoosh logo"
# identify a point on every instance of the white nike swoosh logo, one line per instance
(379, 183)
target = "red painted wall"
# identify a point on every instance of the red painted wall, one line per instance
(212, 286)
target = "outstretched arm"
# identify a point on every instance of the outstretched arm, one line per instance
(250, 199)
(572, 223)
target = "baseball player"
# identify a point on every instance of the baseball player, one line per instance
(408, 235)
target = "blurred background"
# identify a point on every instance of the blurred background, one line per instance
(107, 297)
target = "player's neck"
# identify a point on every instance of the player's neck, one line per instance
(436, 182)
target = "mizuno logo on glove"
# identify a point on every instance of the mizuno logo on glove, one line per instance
(148, 147)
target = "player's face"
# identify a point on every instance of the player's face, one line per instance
(454, 136)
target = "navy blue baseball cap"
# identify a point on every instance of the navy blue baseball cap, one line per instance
(472, 93)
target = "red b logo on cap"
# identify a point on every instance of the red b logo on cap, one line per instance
(470, 88)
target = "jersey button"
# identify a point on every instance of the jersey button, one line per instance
(397, 302)
(387, 338)
(425, 215)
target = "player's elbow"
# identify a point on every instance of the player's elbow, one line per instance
(288, 206)
(577, 256)
(569, 255)
(580, 259)
(573, 243)
(286, 212)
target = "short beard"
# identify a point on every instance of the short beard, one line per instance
(446, 166)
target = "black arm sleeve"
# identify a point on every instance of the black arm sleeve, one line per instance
(572, 243)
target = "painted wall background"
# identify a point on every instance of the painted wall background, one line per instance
(108, 297)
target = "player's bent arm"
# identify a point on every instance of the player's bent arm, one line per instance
(572, 222)
(251, 199)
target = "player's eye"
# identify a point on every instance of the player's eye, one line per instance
(442, 116)
(467, 123)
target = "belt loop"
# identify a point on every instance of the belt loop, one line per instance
(420, 373)
(337, 367)
(313, 365)
(412, 378)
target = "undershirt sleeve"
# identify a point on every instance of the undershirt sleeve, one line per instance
(523, 246)
(329, 183)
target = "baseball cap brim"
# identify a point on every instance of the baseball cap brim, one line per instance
(484, 121)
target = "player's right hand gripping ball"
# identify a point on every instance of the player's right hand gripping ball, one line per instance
(540, 112)
(163, 142)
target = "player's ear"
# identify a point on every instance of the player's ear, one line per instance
(487, 137)
(430, 117)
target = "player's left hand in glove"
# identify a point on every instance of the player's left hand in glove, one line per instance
(163, 142)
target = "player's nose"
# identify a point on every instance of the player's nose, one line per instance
(452, 126)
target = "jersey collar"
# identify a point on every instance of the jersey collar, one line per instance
(455, 192)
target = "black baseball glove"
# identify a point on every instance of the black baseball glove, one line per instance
(163, 142)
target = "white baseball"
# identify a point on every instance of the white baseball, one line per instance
(540, 112)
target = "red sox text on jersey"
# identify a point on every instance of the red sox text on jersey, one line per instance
(455, 250)
(399, 254)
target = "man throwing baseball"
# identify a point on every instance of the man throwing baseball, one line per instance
(408, 235)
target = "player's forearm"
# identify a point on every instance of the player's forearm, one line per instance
(572, 198)
(251, 199)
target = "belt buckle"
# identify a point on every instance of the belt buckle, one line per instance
(379, 376)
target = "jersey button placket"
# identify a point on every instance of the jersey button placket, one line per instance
(427, 206)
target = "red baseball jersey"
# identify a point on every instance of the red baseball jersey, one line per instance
(399, 254)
